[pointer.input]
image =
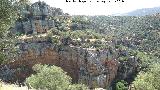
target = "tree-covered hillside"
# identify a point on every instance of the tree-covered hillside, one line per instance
(143, 33)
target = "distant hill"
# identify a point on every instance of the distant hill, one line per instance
(142, 12)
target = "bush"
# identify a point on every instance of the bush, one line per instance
(2, 58)
(121, 85)
(123, 58)
(51, 78)
(148, 80)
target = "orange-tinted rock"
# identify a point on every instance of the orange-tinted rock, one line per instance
(84, 66)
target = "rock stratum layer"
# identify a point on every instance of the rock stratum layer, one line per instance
(95, 68)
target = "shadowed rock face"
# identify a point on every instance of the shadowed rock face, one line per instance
(90, 67)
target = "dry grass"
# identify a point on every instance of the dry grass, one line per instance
(4, 86)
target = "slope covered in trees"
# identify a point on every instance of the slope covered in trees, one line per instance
(141, 32)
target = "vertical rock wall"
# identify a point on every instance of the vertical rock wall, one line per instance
(91, 67)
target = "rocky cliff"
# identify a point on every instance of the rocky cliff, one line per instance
(36, 18)
(95, 68)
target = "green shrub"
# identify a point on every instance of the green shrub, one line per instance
(121, 85)
(123, 58)
(2, 58)
(49, 77)
(148, 80)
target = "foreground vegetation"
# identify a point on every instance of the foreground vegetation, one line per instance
(52, 78)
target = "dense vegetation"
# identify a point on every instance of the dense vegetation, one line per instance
(148, 80)
(52, 78)
(9, 12)
(143, 31)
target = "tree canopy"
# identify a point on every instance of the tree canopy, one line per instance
(51, 78)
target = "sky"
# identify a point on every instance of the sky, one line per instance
(92, 7)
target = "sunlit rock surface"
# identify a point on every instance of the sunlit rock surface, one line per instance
(95, 68)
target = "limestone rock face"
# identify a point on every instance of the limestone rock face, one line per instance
(36, 18)
(91, 67)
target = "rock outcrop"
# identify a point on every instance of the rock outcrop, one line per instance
(36, 18)
(95, 68)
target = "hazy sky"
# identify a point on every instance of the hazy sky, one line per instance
(99, 8)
